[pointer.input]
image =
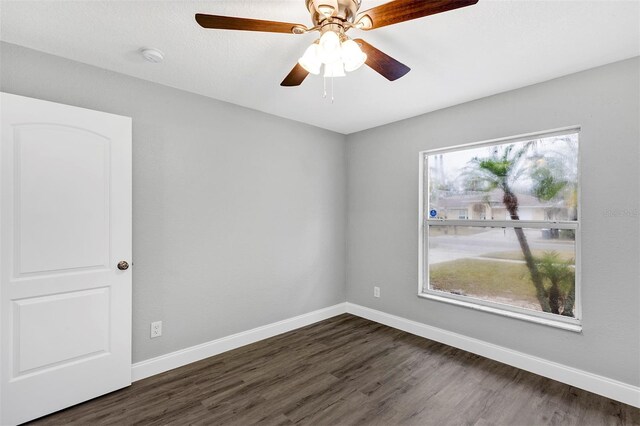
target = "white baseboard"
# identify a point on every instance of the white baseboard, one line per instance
(600, 385)
(150, 367)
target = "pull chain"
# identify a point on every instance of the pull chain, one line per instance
(324, 87)
(331, 89)
(324, 83)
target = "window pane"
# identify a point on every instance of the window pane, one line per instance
(530, 180)
(488, 263)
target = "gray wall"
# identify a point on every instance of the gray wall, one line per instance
(383, 215)
(239, 216)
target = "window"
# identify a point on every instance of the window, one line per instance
(500, 227)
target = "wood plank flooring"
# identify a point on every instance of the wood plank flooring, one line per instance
(347, 371)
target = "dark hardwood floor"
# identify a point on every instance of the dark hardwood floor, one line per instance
(344, 371)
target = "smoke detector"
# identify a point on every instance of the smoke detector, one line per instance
(152, 55)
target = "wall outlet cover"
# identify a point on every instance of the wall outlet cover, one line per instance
(156, 329)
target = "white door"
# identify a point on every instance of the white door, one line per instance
(65, 224)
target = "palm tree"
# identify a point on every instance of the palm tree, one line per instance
(502, 169)
(561, 276)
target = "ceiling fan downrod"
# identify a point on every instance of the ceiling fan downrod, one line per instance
(328, 11)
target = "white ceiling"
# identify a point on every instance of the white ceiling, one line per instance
(455, 57)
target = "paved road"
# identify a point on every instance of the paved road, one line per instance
(445, 248)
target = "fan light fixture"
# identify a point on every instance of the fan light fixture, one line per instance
(334, 50)
(310, 61)
(336, 56)
(334, 69)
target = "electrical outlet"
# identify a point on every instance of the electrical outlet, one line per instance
(156, 329)
(376, 292)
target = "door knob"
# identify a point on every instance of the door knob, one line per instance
(123, 265)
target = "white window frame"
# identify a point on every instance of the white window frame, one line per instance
(539, 317)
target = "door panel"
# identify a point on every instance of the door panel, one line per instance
(66, 168)
(51, 322)
(65, 222)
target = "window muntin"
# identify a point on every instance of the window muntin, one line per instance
(481, 201)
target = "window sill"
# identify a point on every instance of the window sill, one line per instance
(576, 327)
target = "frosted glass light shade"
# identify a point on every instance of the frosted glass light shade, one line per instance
(352, 55)
(329, 50)
(334, 69)
(310, 61)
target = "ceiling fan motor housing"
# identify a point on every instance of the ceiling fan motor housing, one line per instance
(343, 10)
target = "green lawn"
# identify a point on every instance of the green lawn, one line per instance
(484, 279)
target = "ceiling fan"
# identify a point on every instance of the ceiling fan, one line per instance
(334, 49)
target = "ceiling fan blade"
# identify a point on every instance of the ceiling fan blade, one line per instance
(295, 77)
(405, 10)
(382, 63)
(244, 24)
